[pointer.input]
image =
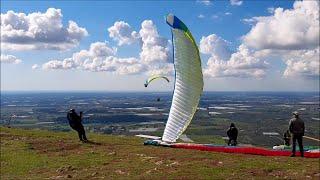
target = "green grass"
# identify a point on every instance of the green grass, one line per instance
(11, 150)
(208, 139)
(39, 154)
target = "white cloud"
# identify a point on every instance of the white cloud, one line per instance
(35, 66)
(243, 64)
(304, 63)
(54, 64)
(155, 55)
(205, 2)
(235, 2)
(125, 67)
(101, 49)
(97, 52)
(215, 46)
(156, 50)
(201, 16)
(9, 59)
(271, 10)
(38, 30)
(250, 21)
(113, 64)
(223, 63)
(162, 68)
(291, 29)
(95, 56)
(95, 61)
(123, 33)
(214, 16)
(292, 35)
(154, 47)
(228, 13)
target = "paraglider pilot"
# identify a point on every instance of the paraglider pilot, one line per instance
(233, 135)
(296, 128)
(75, 122)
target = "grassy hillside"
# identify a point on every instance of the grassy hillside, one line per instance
(39, 154)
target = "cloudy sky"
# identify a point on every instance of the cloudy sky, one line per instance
(115, 46)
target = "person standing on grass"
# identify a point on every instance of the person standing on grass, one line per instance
(75, 122)
(233, 135)
(296, 128)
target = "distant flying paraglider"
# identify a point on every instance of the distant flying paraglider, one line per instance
(152, 78)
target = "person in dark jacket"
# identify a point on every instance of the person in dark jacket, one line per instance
(233, 135)
(286, 138)
(75, 122)
(296, 128)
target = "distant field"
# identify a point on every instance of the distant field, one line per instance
(39, 154)
(125, 113)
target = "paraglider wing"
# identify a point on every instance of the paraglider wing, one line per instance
(188, 80)
(152, 78)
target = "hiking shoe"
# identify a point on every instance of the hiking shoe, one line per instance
(292, 155)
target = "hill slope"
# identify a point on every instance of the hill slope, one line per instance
(39, 154)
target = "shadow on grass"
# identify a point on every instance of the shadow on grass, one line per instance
(92, 142)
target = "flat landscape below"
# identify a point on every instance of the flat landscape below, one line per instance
(39, 154)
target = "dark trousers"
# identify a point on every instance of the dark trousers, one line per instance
(232, 142)
(297, 137)
(81, 132)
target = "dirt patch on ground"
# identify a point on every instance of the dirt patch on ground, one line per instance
(45, 146)
(7, 136)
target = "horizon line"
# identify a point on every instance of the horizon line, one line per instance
(123, 91)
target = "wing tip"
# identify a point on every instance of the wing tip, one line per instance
(175, 22)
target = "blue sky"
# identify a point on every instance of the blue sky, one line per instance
(228, 23)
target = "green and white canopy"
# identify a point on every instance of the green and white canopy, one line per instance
(188, 80)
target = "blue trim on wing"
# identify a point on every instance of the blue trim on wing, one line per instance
(178, 24)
